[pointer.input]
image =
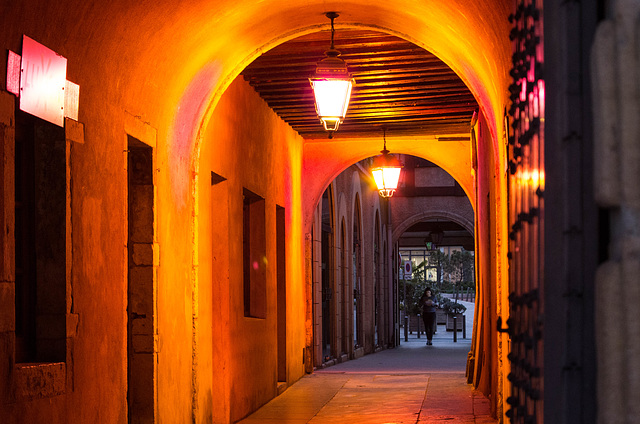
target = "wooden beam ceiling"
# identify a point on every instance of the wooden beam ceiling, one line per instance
(399, 86)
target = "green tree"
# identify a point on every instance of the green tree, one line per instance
(460, 266)
(456, 270)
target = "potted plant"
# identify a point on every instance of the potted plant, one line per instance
(454, 309)
(441, 315)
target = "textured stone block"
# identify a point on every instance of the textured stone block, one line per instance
(74, 131)
(143, 254)
(141, 291)
(142, 325)
(36, 381)
(139, 129)
(142, 388)
(144, 343)
(141, 214)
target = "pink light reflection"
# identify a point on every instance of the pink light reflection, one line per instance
(541, 97)
(189, 115)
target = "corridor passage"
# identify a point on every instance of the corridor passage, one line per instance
(412, 383)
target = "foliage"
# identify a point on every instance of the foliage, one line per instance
(457, 269)
(452, 307)
(459, 266)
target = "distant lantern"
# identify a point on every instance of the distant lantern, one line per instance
(386, 172)
(434, 240)
(331, 85)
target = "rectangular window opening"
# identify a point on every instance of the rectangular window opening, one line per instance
(254, 255)
(40, 240)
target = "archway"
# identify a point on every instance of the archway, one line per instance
(321, 161)
(445, 215)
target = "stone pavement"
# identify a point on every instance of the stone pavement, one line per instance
(412, 383)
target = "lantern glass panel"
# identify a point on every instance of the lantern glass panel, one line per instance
(332, 97)
(386, 178)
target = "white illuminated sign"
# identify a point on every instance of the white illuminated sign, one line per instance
(13, 73)
(42, 82)
(71, 100)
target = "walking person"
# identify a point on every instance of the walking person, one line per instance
(429, 305)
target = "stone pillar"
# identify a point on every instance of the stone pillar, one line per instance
(616, 100)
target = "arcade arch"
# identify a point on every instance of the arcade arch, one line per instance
(478, 167)
(314, 163)
(441, 214)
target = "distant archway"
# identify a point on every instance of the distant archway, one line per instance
(462, 220)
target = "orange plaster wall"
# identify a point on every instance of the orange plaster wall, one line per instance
(244, 352)
(202, 48)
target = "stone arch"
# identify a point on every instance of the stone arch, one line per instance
(481, 73)
(460, 219)
(429, 28)
(324, 163)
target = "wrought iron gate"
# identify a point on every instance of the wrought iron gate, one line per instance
(526, 213)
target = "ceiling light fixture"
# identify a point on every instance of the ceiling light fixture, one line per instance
(386, 171)
(331, 85)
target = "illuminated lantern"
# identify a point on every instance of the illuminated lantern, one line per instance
(386, 172)
(331, 85)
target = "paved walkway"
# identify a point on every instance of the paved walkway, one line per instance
(412, 383)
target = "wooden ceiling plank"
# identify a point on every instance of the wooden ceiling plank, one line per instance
(398, 85)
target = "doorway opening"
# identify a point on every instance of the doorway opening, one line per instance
(328, 295)
(142, 291)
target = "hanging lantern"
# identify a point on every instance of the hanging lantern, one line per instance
(331, 85)
(434, 240)
(386, 172)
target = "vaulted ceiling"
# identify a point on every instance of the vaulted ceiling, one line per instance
(399, 86)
